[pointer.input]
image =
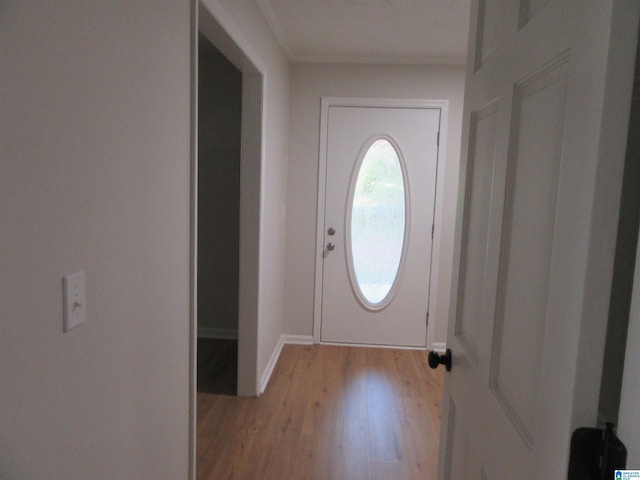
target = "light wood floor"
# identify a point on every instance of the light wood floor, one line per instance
(329, 412)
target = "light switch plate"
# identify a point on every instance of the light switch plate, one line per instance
(75, 301)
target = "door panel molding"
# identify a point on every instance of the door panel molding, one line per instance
(534, 163)
(473, 255)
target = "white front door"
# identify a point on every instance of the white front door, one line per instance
(381, 167)
(543, 152)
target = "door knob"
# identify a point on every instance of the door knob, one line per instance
(331, 247)
(435, 359)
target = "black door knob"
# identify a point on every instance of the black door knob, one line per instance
(436, 359)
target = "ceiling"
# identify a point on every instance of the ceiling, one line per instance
(371, 31)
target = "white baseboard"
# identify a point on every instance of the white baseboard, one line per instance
(271, 364)
(275, 355)
(221, 333)
(298, 339)
(440, 347)
(375, 345)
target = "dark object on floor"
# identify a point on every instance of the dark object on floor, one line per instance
(596, 454)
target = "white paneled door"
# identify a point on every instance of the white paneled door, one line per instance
(543, 152)
(381, 165)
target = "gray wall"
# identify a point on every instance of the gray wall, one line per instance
(219, 107)
(94, 176)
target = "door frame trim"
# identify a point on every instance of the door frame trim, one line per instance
(326, 102)
(210, 18)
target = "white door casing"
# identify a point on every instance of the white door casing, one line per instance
(540, 183)
(352, 125)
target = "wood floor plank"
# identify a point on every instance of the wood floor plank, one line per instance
(381, 396)
(229, 430)
(279, 464)
(421, 439)
(386, 440)
(329, 413)
(312, 458)
(351, 453)
(353, 398)
(389, 470)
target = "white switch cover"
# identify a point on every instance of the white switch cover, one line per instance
(75, 300)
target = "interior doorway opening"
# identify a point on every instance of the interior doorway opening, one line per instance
(249, 187)
(210, 22)
(219, 129)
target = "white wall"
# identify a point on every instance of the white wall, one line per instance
(244, 22)
(94, 176)
(309, 82)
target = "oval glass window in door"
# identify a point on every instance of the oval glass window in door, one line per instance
(377, 223)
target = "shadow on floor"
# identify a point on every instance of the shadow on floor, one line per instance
(217, 366)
